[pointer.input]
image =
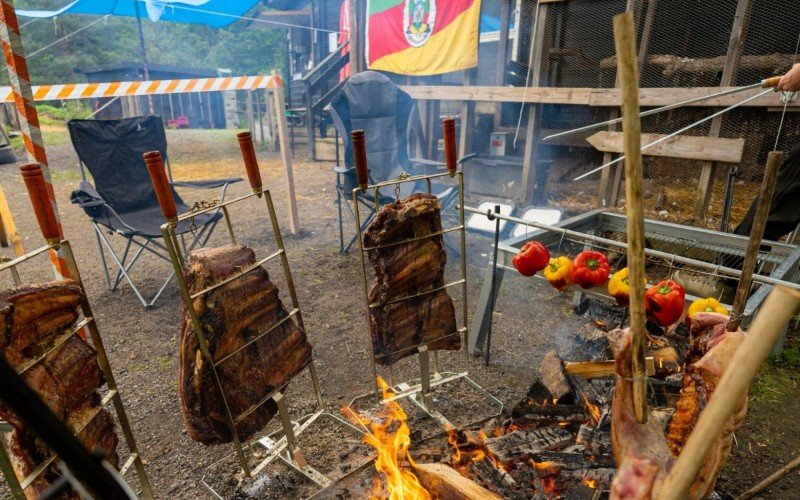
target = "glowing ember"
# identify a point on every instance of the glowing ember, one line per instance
(591, 483)
(391, 439)
(477, 450)
(594, 411)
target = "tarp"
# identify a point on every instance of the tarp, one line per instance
(214, 13)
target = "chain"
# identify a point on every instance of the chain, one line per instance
(197, 207)
(403, 176)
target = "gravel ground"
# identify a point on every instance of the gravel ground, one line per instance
(530, 319)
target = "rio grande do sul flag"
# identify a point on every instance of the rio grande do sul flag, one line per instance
(422, 37)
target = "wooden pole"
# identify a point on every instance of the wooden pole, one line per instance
(9, 227)
(756, 233)
(779, 307)
(286, 155)
(772, 479)
(625, 43)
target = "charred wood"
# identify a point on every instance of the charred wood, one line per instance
(519, 444)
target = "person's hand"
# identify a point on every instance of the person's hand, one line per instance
(790, 82)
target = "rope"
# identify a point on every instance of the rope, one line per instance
(67, 36)
(786, 102)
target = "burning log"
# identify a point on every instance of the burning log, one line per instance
(595, 369)
(553, 414)
(449, 484)
(516, 445)
(597, 437)
(553, 377)
(598, 472)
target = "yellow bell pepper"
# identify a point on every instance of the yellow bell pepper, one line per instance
(620, 288)
(558, 271)
(709, 304)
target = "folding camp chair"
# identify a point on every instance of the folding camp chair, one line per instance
(122, 200)
(371, 102)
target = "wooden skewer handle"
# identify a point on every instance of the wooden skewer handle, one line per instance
(360, 158)
(158, 176)
(768, 83)
(42, 207)
(450, 151)
(250, 161)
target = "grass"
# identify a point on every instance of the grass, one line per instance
(780, 375)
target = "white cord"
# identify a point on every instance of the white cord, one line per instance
(786, 102)
(67, 36)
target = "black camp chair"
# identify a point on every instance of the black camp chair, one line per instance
(122, 200)
(373, 103)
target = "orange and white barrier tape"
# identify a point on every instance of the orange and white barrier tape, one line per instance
(20, 94)
(147, 87)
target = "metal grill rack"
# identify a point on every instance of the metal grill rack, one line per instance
(708, 255)
(86, 323)
(283, 444)
(420, 393)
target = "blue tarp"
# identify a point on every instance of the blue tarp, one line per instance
(214, 13)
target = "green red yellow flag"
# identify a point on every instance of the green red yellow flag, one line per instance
(422, 37)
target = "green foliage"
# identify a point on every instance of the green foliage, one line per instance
(239, 47)
(68, 111)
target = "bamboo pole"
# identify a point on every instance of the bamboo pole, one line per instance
(779, 307)
(625, 43)
(771, 479)
(756, 233)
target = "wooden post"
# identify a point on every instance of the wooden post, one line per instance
(9, 228)
(756, 233)
(625, 43)
(729, 73)
(357, 40)
(502, 56)
(772, 479)
(531, 155)
(286, 155)
(467, 116)
(779, 307)
(271, 126)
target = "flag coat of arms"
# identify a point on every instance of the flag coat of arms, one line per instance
(422, 37)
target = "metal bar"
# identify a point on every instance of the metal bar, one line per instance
(259, 337)
(12, 483)
(18, 260)
(359, 234)
(228, 224)
(421, 344)
(238, 275)
(418, 238)
(218, 206)
(734, 273)
(419, 294)
(59, 341)
(656, 110)
(673, 134)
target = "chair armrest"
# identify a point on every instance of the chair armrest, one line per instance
(207, 184)
(86, 196)
(343, 169)
(427, 163)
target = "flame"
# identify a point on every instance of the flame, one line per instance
(594, 411)
(391, 439)
(591, 483)
(461, 458)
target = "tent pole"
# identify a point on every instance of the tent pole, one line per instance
(143, 52)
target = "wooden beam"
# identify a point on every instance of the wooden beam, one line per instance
(729, 72)
(449, 484)
(9, 228)
(583, 96)
(467, 117)
(595, 369)
(502, 56)
(286, 156)
(692, 147)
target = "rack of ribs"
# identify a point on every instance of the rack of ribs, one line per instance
(407, 264)
(643, 454)
(36, 321)
(237, 320)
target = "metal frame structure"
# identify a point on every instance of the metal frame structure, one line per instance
(283, 444)
(702, 251)
(420, 393)
(88, 323)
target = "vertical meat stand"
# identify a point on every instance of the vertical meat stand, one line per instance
(34, 181)
(283, 444)
(419, 392)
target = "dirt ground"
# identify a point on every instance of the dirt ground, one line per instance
(530, 319)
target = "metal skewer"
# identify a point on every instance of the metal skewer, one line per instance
(766, 83)
(673, 134)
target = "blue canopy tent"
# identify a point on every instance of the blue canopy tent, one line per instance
(214, 13)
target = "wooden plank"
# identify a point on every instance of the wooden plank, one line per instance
(467, 117)
(502, 56)
(595, 369)
(9, 227)
(648, 97)
(729, 72)
(692, 147)
(286, 156)
(449, 484)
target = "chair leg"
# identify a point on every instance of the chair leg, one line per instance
(129, 265)
(124, 272)
(98, 235)
(339, 209)
(118, 277)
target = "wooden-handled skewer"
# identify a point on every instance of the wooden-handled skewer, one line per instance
(250, 160)
(450, 149)
(771, 82)
(360, 158)
(756, 234)
(37, 191)
(158, 176)
(625, 42)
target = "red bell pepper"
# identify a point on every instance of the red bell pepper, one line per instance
(590, 269)
(664, 303)
(532, 258)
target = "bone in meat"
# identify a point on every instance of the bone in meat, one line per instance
(404, 269)
(33, 318)
(232, 316)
